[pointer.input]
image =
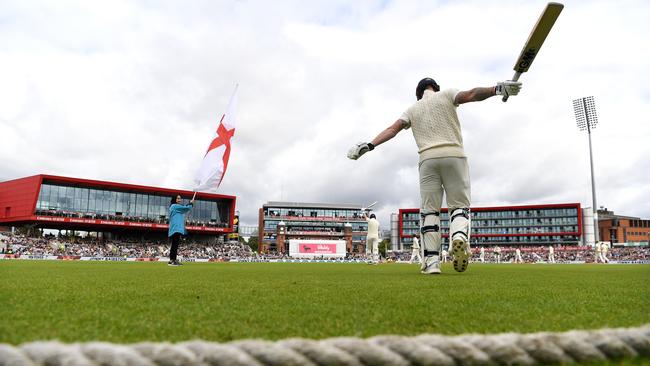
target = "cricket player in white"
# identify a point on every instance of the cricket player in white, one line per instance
(518, 258)
(443, 166)
(598, 257)
(481, 256)
(372, 239)
(443, 256)
(497, 254)
(603, 252)
(415, 250)
(551, 254)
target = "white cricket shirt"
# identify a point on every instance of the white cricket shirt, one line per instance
(435, 125)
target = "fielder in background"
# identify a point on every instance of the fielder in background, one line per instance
(518, 258)
(443, 256)
(372, 239)
(481, 256)
(597, 256)
(443, 165)
(604, 248)
(415, 251)
(177, 213)
(497, 254)
(551, 254)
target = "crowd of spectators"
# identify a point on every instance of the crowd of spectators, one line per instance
(92, 247)
(233, 250)
(536, 254)
(563, 254)
(161, 219)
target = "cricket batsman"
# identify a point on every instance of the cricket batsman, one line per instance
(415, 251)
(443, 165)
(372, 239)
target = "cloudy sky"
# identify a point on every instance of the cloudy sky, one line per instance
(131, 91)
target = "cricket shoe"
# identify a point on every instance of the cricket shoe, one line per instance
(174, 263)
(430, 265)
(460, 250)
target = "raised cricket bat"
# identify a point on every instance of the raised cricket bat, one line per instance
(369, 206)
(536, 39)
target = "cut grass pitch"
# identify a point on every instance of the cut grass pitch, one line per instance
(129, 302)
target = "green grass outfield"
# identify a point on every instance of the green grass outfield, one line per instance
(127, 302)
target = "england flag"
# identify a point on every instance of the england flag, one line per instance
(215, 162)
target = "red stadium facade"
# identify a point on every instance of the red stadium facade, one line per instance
(547, 224)
(55, 202)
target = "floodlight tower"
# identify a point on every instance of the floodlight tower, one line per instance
(586, 119)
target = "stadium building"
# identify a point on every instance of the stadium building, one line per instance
(110, 209)
(551, 224)
(623, 230)
(282, 222)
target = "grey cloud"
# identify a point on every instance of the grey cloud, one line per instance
(133, 91)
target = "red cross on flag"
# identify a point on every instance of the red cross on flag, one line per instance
(215, 162)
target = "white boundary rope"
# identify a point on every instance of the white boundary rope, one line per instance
(499, 349)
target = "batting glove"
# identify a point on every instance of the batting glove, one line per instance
(508, 88)
(359, 149)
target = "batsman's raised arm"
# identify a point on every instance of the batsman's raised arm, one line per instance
(361, 148)
(505, 88)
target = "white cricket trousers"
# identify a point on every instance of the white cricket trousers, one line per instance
(415, 255)
(518, 259)
(372, 248)
(440, 176)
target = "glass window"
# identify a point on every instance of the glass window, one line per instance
(83, 200)
(101, 205)
(99, 201)
(119, 202)
(154, 206)
(195, 212)
(143, 202)
(106, 202)
(76, 199)
(112, 207)
(69, 198)
(213, 212)
(40, 198)
(54, 198)
(205, 211)
(62, 198)
(151, 203)
(224, 212)
(44, 197)
(92, 200)
(164, 205)
(130, 205)
(198, 210)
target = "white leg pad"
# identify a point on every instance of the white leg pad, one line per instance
(430, 229)
(459, 222)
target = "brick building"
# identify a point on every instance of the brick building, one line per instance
(619, 229)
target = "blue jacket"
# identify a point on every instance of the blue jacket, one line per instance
(177, 218)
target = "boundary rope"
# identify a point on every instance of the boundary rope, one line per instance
(576, 346)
